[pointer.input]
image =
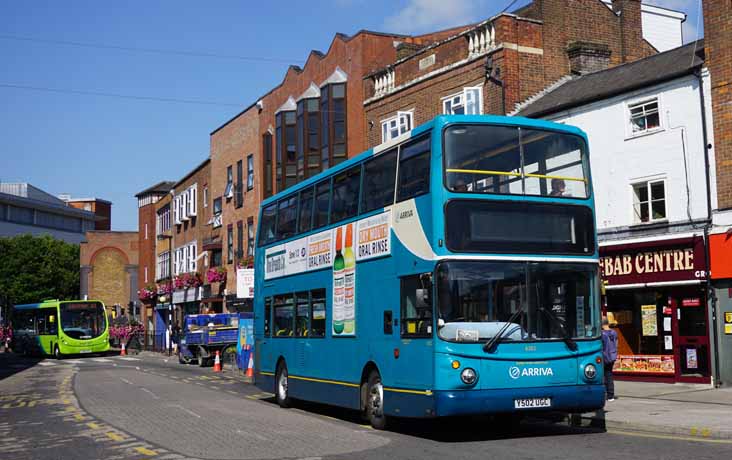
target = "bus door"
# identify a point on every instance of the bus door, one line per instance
(413, 368)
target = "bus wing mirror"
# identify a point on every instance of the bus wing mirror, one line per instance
(440, 323)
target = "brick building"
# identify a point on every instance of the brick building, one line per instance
(499, 62)
(190, 214)
(312, 120)
(717, 39)
(147, 255)
(101, 208)
(109, 270)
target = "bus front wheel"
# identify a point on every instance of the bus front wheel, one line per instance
(57, 352)
(375, 401)
(281, 382)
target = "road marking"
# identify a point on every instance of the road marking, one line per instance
(94, 426)
(46, 363)
(185, 410)
(150, 393)
(101, 360)
(126, 381)
(127, 358)
(79, 417)
(675, 438)
(114, 436)
(73, 361)
(146, 451)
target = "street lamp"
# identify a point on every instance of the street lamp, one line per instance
(170, 276)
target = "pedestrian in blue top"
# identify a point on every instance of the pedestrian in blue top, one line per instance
(609, 355)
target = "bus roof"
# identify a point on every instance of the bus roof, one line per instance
(438, 121)
(49, 303)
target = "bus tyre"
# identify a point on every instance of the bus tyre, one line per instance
(375, 401)
(57, 352)
(281, 383)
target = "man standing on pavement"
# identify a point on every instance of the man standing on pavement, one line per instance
(609, 355)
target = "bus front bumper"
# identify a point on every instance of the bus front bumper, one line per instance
(571, 398)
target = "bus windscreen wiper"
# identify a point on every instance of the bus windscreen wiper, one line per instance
(571, 344)
(489, 346)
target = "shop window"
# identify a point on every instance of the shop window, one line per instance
(644, 116)
(396, 125)
(379, 175)
(649, 201)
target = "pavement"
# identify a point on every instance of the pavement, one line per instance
(686, 410)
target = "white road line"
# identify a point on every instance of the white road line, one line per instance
(73, 361)
(185, 410)
(150, 393)
(126, 358)
(46, 363)
(101, 360)
(126, 381)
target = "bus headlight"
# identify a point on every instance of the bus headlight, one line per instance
(590, 371)
(468, 376)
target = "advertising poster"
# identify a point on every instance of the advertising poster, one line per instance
(274, 261)
(655, 364)
(374, 237)
(691, 359)
(296, 253)
(245, 283)
(668, 342)
(320, 248)
(344, 282)
(649, 319)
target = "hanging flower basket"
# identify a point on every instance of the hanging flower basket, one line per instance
(165, 288)
(216, 275)
(147, 293)
(187, 280)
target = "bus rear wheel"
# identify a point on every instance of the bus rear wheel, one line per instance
(375, 401)
(281, 383)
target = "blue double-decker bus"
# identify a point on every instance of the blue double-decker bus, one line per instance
(453, 270)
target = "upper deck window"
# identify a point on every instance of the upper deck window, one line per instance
(513, 160)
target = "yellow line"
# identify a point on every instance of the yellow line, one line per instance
(271, 374)
(114, 436)
(308, 379)
(93, 426)
(32, 403)
(675, 438)
(79, 417)
(146, 451)
(416, 392)
(488, 172)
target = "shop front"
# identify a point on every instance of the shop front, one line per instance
(187, 302)
(655, 298)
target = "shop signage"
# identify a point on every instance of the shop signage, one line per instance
(647, 364)
(693, 302)
(245, 283)
(653, 262)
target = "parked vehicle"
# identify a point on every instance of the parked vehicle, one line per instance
(204, 335)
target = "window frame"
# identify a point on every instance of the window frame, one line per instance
(630, 133)
(250, 172)
(403, 324)
(463, 95)
(250, 236)
(230, 244)
(386, 134)
(238, 188)
(648, 185)
(381, 157)
(415, 140)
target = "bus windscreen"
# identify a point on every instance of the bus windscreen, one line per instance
(82, 320)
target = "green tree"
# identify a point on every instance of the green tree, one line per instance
(34, 268)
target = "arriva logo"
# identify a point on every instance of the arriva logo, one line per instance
(514, 372)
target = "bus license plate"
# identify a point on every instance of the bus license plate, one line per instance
(529, 403)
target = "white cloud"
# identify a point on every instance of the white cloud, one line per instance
(427, 15)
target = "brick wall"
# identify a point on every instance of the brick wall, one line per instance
(146, 256)
(113, 258)
(718, 52)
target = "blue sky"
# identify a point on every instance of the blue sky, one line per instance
(113, 147)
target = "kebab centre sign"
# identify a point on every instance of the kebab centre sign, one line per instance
(632, 264)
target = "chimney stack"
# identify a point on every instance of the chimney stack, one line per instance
(586, 57)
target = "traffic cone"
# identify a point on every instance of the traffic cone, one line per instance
(250, 366)
(217, 363)
(123, 352)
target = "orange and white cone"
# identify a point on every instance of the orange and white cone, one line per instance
(217, 363)
(123, 352)
(250, 366)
